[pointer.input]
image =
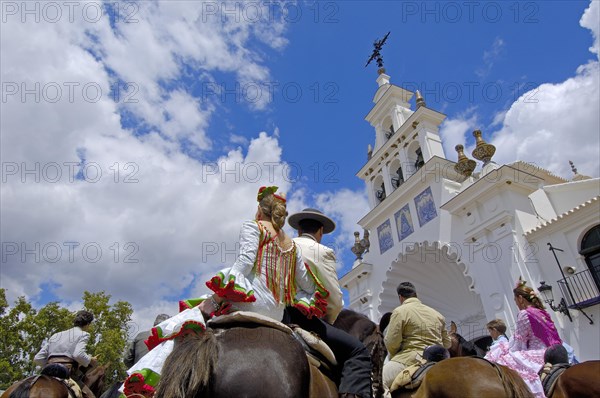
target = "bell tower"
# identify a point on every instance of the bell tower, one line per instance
(404, 139)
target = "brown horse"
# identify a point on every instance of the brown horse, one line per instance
(467, 376)
(361, 327)
(251, 362)
(43, 386)
(579, 381)
(470, 378)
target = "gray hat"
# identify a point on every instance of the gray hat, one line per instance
(312, 214)
(161, 318)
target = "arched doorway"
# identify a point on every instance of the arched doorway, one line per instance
(442, 283)
(590, 249)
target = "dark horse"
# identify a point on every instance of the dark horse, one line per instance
(579, 381)
(44, 386)
(462, 348)
(466, 375)
(250, 361)
(254, 361)
(361, 327)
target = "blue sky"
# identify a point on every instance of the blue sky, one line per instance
(525, 73)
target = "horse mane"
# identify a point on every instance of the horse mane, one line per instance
(513, 383)
(385, 321)
(188, 370)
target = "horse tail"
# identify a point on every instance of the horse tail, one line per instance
(513, 384)
(376, 346)
(188, 369)
(23, 389)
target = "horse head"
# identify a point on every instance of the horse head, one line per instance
(94, 378)
(460, 347)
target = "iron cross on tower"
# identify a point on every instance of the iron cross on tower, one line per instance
(378, 44)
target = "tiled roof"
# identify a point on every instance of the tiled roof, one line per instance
(563, 215)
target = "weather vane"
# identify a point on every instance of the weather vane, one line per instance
(378, 44)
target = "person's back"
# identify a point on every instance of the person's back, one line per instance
(422, 327)
(69, 344)
(321, 259)
(352, 355)
(68, 348)
(138, 348)
(413, 326)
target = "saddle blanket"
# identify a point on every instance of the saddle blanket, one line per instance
(251, 317)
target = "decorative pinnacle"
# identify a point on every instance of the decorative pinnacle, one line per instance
(420, 100)
(483, 151)
(464, 166)
(577, 176)
(573, 169)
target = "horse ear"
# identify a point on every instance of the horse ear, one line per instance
(452, 327)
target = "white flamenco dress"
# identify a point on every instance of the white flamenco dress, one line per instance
(264, 279)
(524, 352)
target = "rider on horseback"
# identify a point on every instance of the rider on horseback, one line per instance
(268, 275)
(68, 348)
(413, 327)
(352, 355)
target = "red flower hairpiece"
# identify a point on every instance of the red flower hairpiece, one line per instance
(266, 191)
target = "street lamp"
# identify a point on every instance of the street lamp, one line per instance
(546, 292)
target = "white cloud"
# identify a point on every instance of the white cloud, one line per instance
(555, 123)
(152, 210)
(547, 126)
(489, 58)
(591, 20)
(346, 207)
(454, 131)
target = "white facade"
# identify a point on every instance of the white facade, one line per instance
(464, 241)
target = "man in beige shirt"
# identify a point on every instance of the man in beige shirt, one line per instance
(413, 327)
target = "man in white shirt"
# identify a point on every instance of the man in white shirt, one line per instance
(351, 354)
(68, 348)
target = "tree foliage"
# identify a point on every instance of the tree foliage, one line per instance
(23, 330)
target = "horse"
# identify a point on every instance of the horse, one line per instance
(369, 333)
(579, 381)
(356, 324)
(45, 386)
(467, 375)
(460, 347)
(250, 361)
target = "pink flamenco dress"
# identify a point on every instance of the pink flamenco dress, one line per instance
(264, 279)
(524, 352)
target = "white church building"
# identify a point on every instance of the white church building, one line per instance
(464, 232)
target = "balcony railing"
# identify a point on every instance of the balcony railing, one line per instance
(584, 288)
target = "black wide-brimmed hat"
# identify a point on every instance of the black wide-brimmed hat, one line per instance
(312, 214)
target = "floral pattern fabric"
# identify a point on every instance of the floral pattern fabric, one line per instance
(524, 352)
